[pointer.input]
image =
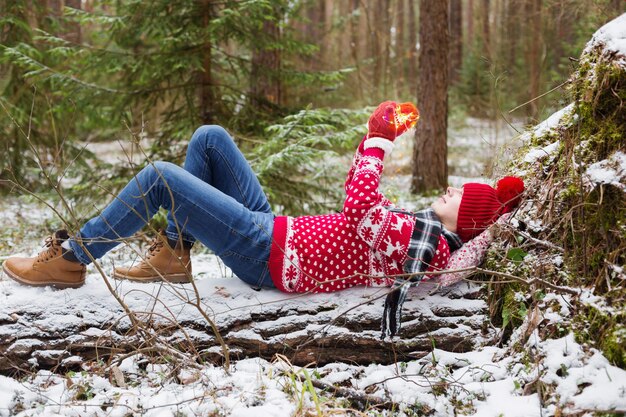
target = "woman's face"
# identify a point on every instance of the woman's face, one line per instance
(447, 207)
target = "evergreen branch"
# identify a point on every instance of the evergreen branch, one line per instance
(44, 68)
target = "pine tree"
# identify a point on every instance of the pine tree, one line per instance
(35, 116)
(161, 71)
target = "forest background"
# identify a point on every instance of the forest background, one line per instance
(292, 80)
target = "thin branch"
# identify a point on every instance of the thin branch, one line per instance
(542, 95)
(530, 282)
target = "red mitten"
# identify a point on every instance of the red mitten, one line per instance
(390, 120)
(382, 122)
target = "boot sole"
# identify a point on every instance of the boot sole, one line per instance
(173, 279)
(60, 285)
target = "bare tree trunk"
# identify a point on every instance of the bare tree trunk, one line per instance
(400, 47)
(486, 32)
(557, 13)
(355, 46)
(88, 5)
(308, 27)
(329, 48)
(385, 31)
(456, 40)
(55, 6)
(366, 46)
(512, 28)
(496, 23)
(618, 6)
(364, 31)
(313, 33)
(470, 22)
(412, 43)
(206, 83)
(265, 85)
(73, 32)
(377, 43)
(565, 19)
(534, 59)
(344, 42)
(430, 168)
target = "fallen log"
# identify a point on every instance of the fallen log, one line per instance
(43, 328)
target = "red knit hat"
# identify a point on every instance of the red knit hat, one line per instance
(481, 205)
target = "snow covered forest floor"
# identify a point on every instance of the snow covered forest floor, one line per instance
(539, 370)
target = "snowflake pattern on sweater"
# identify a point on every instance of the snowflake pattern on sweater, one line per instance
(365, 244)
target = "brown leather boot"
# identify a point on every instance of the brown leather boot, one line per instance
(162, 262)
(47, 268)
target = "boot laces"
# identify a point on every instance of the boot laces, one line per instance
(155, 247)
(53, 245)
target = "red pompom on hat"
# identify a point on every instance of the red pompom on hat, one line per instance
(509, 191)
(481, 205)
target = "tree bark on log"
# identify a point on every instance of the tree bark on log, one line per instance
(61, 333)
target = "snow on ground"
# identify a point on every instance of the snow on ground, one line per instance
(487, 382)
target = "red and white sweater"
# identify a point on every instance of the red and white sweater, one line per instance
(365, 244)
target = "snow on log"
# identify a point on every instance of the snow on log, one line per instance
(48, 328)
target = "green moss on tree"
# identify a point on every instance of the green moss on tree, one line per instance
(586, 220)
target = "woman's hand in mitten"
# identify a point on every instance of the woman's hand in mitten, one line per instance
(382, 122)
(390, 120)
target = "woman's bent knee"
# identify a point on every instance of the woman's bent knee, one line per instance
(160, 169)
(209, 136)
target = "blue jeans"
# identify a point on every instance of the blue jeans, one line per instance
(216, 199)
